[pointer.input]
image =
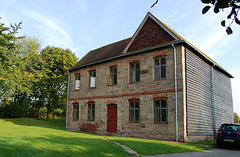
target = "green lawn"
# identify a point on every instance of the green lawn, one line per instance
(31, 137)
(152, 147)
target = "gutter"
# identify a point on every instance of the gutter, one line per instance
(175, 87)
(67, 100)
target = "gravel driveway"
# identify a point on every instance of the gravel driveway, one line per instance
(208, 153)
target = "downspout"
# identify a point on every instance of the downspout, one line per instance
(67, 100)
(214, 106)
(175, 88)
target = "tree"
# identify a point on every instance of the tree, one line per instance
(11, 77)
(56, 62)
(236, 118)
(218, 5)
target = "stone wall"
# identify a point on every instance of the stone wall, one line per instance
(145, 91)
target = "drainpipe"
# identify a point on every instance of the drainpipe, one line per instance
(67, 100)
(175, 86)
(214, 106)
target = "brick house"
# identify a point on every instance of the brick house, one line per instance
(153, 85)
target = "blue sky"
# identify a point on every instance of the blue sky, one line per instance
(84, 25)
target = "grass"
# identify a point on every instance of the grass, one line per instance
(30, 137)
(152, 147)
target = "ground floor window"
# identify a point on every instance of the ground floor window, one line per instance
(134, 111)
(75, 111)
(91, 111)
(160, 111)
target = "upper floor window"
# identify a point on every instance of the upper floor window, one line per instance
(92, 79)
(91, 111)
(159, 68)
(134, 72)
(134, 111)
(160, 111)
(77, 81)
(76, 111)
(113, 75)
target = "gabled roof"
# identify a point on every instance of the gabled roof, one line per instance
(166, 30)
(102, 53)
(152, 34)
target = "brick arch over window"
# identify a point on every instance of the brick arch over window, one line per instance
(160, 96)
(134, 59)
(158, 54)
(133, 98)
(109, 102)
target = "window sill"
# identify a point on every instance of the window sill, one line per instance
(134, 82)
(134, 122)
(76, 90)
(90, 120)
(92, 88)
(112, 85)
(160, 79)
(160, 122)
(76, 120)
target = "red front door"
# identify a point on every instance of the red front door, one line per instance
(112, 119)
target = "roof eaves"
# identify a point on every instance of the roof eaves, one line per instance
(128, 54)
(208, 58)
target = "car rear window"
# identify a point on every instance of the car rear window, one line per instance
(230, 127)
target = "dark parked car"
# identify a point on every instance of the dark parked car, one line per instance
(228, 135)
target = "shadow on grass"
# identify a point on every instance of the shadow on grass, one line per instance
(58, 146)
(58, 124)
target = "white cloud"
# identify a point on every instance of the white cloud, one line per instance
(54, 34)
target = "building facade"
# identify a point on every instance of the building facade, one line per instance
(153, 85)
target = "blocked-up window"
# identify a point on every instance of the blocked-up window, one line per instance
(159, 68)
(134, 111)
(160, 111)
(91, 111)
(76, 111)
(77, 81)
(134, 72)
(92, 79)
(113, 75)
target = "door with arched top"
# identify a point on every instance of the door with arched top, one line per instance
(112, 118)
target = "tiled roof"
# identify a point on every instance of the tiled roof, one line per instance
(102, 53)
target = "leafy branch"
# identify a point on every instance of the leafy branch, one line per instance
(221, 5)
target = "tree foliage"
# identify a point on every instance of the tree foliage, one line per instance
(236, 118)
(219, 5)
(11, 78)
(31, 78)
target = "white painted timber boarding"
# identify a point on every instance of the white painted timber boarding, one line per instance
(200, 119)
(223, 98)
